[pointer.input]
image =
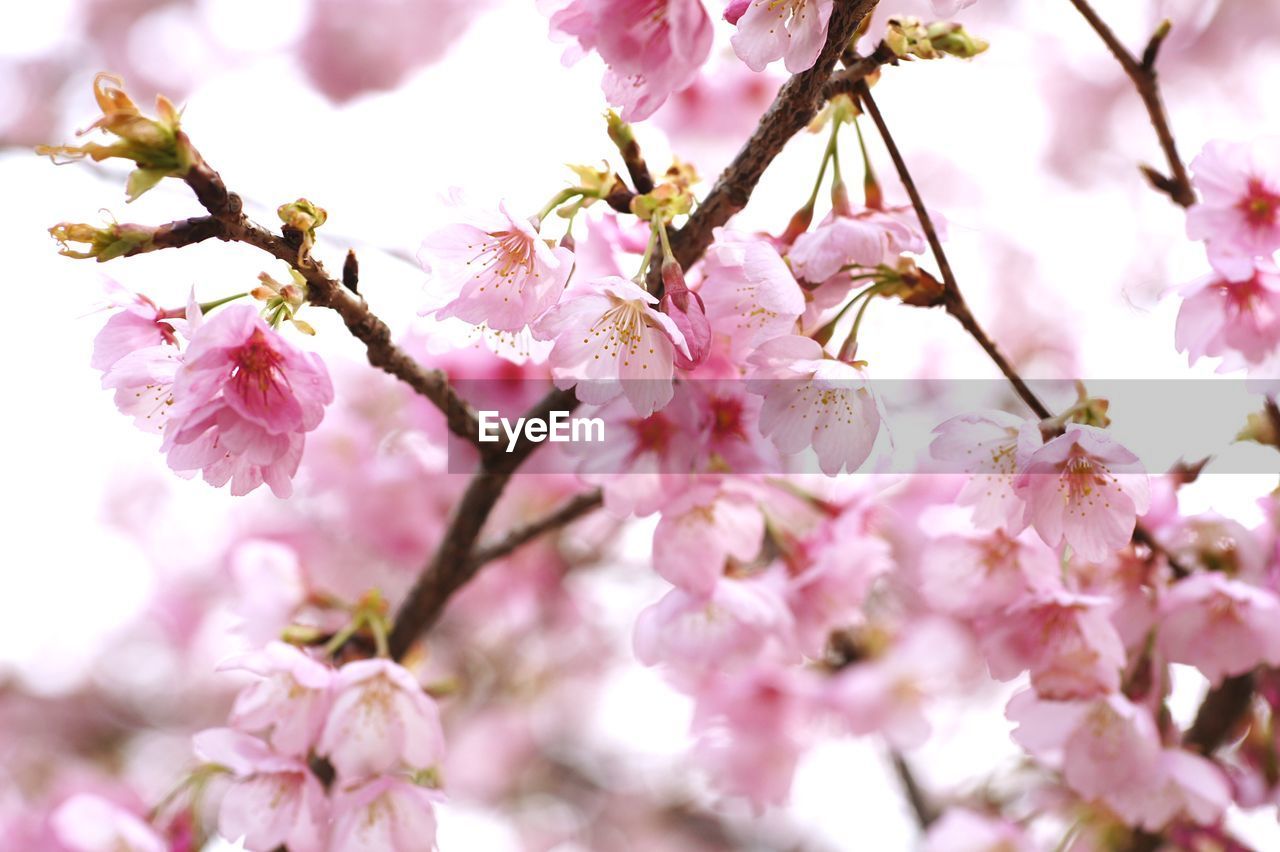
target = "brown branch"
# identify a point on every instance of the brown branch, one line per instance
(857, 69)
(1219, 715)
(794, 107)
(569, 512)
(1177, 185)
(924, 811)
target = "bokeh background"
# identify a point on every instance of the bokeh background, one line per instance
(114, 570)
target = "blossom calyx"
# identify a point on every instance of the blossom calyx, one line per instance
(157, 145)
(101, 243)
(909, 36)
(303, 217)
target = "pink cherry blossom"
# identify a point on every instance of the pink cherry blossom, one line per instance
(1238, 215)
(269, 588)
(610, 340)
(291, 701)
(274, 801)
(865, 238)
(1103, 746)
(702, 529)
(814, 401)
(752, 726)
(90, 823)
(495, 270)
(1083, 488)
(976, 576)
(687, 311)
(1184, 784)
(651, 47)
(889, 694)
(1221, 626)
(243, 399)
(354, 47)
(828, 592)
(791, 30)
(1236, 320)
(381, 720)
(750, 294)
(1065, 640)
(990, 446)
(734, 625)
(654, 452)
(139, 324)
(385, 814)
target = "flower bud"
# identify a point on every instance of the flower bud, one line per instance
(687, 311)
(157, 145)
(304, 217)
(103, 244)
(909, 36)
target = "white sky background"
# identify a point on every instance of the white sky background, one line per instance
(499, 116)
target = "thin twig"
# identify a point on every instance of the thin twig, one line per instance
(925, 812)
(1177, 185)
(572, 510)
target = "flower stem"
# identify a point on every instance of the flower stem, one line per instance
(560, 198)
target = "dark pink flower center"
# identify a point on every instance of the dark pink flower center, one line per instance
(1259, 205)
(726, 418)
(653, 434)
(257, 365)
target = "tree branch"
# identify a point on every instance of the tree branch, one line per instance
(1177, 185)
(794, 107)
(570, 511)
(921, 807)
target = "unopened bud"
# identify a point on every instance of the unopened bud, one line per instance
(687, 311)
(1260, 427)
(157, 145)
(102, 244)
(909, 36)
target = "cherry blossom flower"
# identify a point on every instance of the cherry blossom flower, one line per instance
(138, 351)
(90, 823)
(1083, 488)
(1103, 746)
(651, 47)
(865, 238)
(814, 401)
(1221, 626)
(990, 446)
(828, 592)
(976, 576)
(1236, 320)
(269, 588)
(1109, 750)
(353, 47)
(687, 311)
(791, 30)
(494, 270)
(291, 701)
(1238, 215)
(387, 814)
(1066, 640)
(381, 720)
(703, 528)
(610, 340)
(752, 727)
(274, 801)
(750, 294)
(697, 634)
(243, 399)
(653, 452)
